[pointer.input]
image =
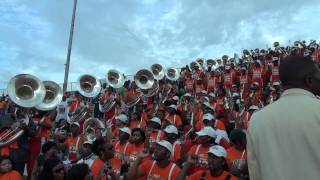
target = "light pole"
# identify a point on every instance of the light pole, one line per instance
(66, 73)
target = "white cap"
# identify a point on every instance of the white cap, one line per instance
(212, 94)
(208, 116)
(235, 94)
(175, 98)
(88, 142)
(173, 106)
(204, 92)
(253, 107)
(165, 144)
(276, 83)
(228, 67)
(208, 105)
(218, 151)
(187, 94)
(275, 58)
(126, 130)
(156, 120)
(122, 118)
(76, 123)
(171, 129)
(207, 131)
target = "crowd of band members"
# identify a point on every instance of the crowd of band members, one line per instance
(191, 128)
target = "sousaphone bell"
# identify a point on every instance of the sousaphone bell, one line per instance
(52, 98)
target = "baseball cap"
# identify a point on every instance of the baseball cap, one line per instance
(276, 83)
(204, 92)
(208, 105)
(122, 118)
(275, 58)
(212, 94)
(207, 131)
(165, 144)
(156, 120)
(218, 151)
(76, 123)
(126, 130)
(171, 129)
(173, 106)
(175, 98)
(88, 142)
(253, 107)
(187, 94)
(208, 116)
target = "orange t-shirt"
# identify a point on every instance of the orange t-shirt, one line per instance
(11, 175)
(176, 151)
(74, 106)
(98, 165)
(174, 119)
(234, 156)
(141, 123)
(73, 144)
(120, 149)
(151, 170)
(202, 153)
(208, 176)
(217, 124)
(45, 131)
(133, 151)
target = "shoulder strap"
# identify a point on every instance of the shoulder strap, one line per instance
(77, 143)
(171, 170)
(125, 148)
(149, 173)
(197, 150)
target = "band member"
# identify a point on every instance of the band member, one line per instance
(74, 142)
(171, 135)
(136, 145)
(159, 168)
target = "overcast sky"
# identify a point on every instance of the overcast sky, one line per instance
(129, 35)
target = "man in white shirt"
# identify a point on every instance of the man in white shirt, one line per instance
(62, 110)
(283, 138)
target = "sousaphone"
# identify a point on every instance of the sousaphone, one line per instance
(52, 98)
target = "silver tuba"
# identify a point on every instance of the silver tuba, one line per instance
(90, 128)
(115, 79)
(144, 79)
(157, 71)
(172, 74)
(88, 85)
(53, 96)
(26, 90)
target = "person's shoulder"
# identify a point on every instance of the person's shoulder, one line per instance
(15, 175)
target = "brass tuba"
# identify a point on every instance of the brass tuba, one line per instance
(172, 74)
(88, 85)
(90, 128)
(145, 81)
(53, 96)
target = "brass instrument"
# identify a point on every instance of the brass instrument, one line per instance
(115, 79)
(90, 127)
(172, 74)
(26, 91)
(157, 71)
(88, 85)
(144, 79)
(79, 115)
(52, 98)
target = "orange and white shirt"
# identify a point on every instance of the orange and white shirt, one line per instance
(151, 170)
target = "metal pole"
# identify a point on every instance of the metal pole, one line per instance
(66, 73)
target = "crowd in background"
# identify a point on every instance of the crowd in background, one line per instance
(190, 128)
